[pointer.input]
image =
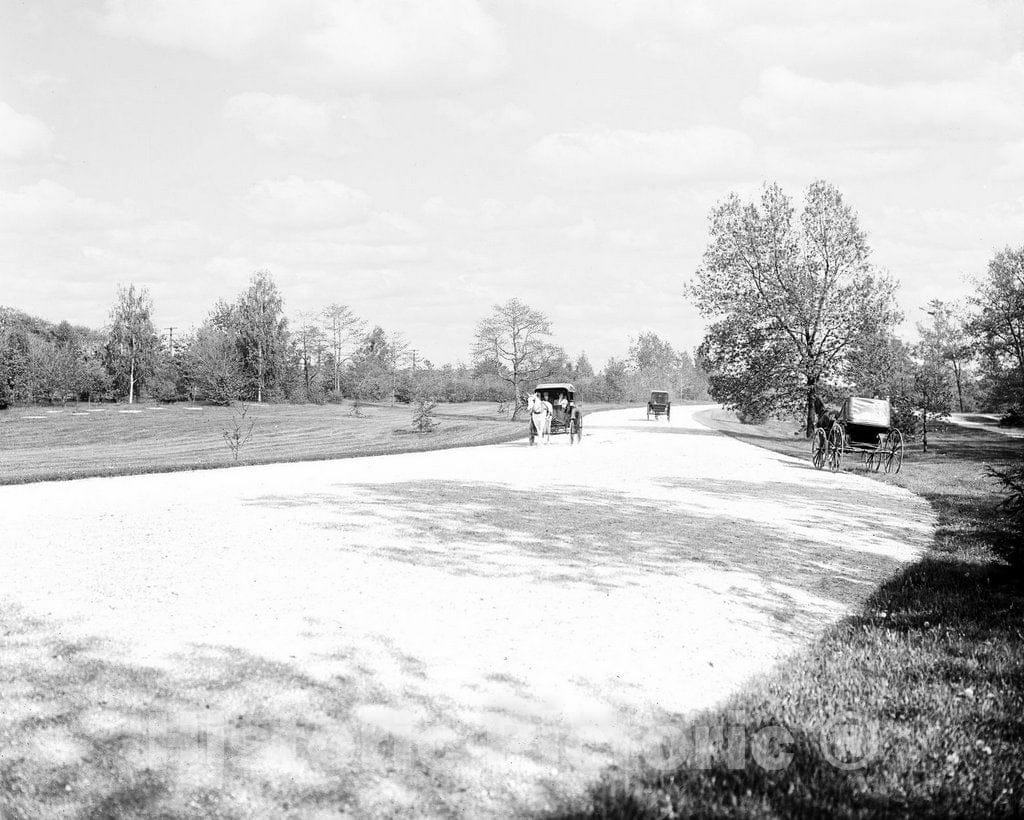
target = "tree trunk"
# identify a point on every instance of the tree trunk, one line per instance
(131, 381)
(924, 425)
(259, 373)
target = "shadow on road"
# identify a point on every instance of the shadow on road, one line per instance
(220, 732)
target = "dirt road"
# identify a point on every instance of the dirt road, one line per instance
(469, 632)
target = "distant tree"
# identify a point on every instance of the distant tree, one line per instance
(932, 392)
(998, 326)
(343, 327)
(615, 380)
(214, 364)
(512, 342)
(801, 291)
(262, 334)
(132, 340)
(582, 368)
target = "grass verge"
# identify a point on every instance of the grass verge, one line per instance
(80, 441)
(913, 707)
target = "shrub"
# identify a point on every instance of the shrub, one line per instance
(1013, 417)
(423, 415)
(1010, 547)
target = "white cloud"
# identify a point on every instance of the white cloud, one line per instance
(507, 117)
(289, 123)
(794, 104)
(1012, 156)
(22, 136)
(50, 206)
(695, 153)
(305, 204)
(43, 81)
(228, 29)
(352, 41)
(843, 162)
(537, 212)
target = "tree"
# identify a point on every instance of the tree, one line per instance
(512, 343)
(132, 340)
(583, 369)
(262, 330)
(214, 365)
(932, 393)
(615, 378)
(998, 326)
(947, 336)
(800, 292)
(343, 327)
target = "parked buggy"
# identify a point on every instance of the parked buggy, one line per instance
(566, 417)
(659, 405)
(863, 426)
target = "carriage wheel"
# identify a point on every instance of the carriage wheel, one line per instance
(874, 458)
(894, 452)
(836, 444)
(819, 448)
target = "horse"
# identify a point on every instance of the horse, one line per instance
(540, 418)
(824, 416)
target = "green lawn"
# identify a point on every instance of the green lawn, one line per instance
(38, 443)
(928, 678)
(77, 441)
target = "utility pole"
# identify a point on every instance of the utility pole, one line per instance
(170, 343)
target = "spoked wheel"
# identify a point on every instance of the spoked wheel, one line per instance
(874, 458)
(819, 448)
(836, 443)
(894, 452)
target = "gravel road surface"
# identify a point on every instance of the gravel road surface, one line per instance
(469, 632)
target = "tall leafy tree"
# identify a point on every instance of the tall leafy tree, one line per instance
(998, 326)
(343, 327)
(512, 342)
(789, 296)
(262, 329)
(132, 341)
(947, 336)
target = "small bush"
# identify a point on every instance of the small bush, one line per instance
(240, 431)
(1011, 546)
(1013, 417)
(423, 415)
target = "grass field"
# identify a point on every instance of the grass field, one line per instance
(38, 444)
(930, 676)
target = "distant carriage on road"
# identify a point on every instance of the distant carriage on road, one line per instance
(567, 416)
(863, 426)
(659, 405)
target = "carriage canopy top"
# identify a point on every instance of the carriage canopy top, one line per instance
(659, 395)
(556, 386)
(869, 412)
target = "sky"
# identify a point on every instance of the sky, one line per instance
(423, 161)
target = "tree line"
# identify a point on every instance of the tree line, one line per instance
(248, 350)
(799, 315)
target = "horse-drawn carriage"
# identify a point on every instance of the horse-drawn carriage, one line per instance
(863, 426)
(565, 414)
(659, 405)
